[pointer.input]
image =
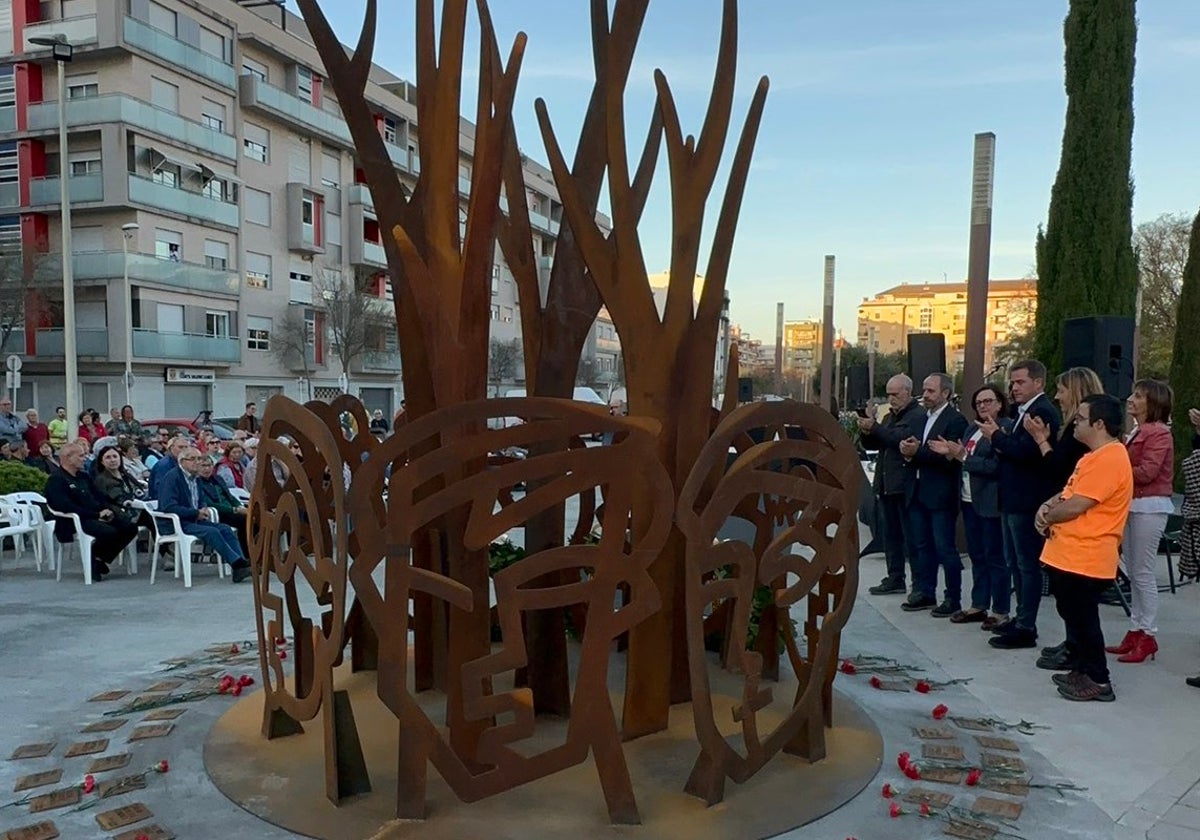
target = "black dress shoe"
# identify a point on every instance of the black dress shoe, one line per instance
(917, 602)
(946, 609)
(1005, 627)
(1194, 682)
(888, 587)
(1053, 649)
(1015, 639)
(241, 571)
(99, 570)
(1060, 661)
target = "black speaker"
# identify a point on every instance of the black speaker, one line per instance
(926, 355)
(745, 389)
(858, 389)
(1104, 344)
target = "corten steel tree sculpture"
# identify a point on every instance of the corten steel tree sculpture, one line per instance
(427, 450)
(668, 360)
(298, 535)
(803, 468)
(554, 331)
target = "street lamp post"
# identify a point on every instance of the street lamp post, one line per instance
(128, 230)
(62, 52)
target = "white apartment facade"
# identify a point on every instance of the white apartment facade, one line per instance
(210, 127)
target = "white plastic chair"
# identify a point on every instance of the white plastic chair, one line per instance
(181, 544)
(33, 503)
(242, 495)
(19, 525)
(82, 540)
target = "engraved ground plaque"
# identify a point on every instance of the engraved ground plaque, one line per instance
(155, 730)
(936, 733)
(997, 808)
(1012, 787)
(127, 784)
(109, 762)
(60, 798)
(37, 780)
(942, 775)
(969, 829)
(106, 725)
(87, 747)
(163, 714)
(992, 761)
(942, 752)
(153, 831)
(123, 816)
(33, 750)
(165, 685)
(932, 798)
(991, 742)
(45, 830)
(108, 696)
(201, 673)
(893, 685)
(973, 723)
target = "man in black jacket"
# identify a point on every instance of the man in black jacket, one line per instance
(1024, 484)
(892, 477)
(69, 490)
(933, 501)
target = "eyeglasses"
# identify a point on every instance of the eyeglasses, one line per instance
(985, 401)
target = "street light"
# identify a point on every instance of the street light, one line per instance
(62, 52)
(128, 230)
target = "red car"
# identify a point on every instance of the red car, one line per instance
(189, 427)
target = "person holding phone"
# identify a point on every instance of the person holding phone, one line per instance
(1024, 484)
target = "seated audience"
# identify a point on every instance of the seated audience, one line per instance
(70, 490)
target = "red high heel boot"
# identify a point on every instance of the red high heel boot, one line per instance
(1128, 643)
(1143, 647)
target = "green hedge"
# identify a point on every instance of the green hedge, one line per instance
(16, 477)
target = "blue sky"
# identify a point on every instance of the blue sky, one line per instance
(865, 146)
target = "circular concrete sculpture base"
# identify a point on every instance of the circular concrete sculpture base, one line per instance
(282, 781)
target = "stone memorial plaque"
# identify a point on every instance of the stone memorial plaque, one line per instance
(37, 780)
(992, 761)
(141, 700)
(87, 748)
(893, 685)
(1010, 811)
(108, 696)
(123, 816)
(150, 832)
(178, 660)
(165, 685)
(1012, 787)
(991, 742)
(60, 798)
(969, 829)
(33, 750)
(109, 762)
(46, 830)
(163, 714)
(116, 787)
(942, 775)
(942, 752)
(225, 648)
(154, 730)
(973, 723)
(106, 725)
(201, 673)
(934, 733)
(932, 798)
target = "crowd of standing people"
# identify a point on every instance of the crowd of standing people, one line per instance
(1054, 495)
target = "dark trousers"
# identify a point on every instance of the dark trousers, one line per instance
(1023, 552)
(935, 545)
(1078, 601)
(897, 536)
(220, 538)
(111, 538)
(237, 521)
(991, 584)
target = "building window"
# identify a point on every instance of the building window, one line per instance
(81, 87)
(255, 142)
(216, 324)
(310, 327)
(389, 130)
(168, 244)
(85, 166)
(163, 19)
(215, 44)
(258, 270)
(164, 95)
(256, 206)
(216, 255)
(258, 333)
(495, 312)
(214, 188)
(167, 175)
(299, 277)
(250, 67)
(212, 115)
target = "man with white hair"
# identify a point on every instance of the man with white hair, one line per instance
(167, 463)
(70, 490)
(179, 493)
(12, 427)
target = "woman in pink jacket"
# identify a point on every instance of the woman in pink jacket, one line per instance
(1152, 453)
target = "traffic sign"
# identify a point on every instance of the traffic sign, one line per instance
(12, 380)
(13, 362)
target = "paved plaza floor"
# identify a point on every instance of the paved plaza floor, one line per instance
(1138, 758)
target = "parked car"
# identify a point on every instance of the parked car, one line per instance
(189, 427)
(581, 394)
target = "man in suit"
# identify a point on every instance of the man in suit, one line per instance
(179, 493)
(933, 501)
(1024, 484)
(69, 490)
(892, 477)
(165, 464)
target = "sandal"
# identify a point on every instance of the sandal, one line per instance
(968, 616)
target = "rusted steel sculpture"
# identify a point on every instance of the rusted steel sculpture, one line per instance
(427, 451)
(802, 469)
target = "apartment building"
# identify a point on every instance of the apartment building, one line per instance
(942, 308)
(208, 161)
(802, 346)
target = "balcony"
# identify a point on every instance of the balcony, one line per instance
(14, 342)
(174, 200)
(360, 194)
(188, 347)
(178, 54)
(401, 158)
(300, 291)
(89, 341)
(275, 102)
(366, 253)
(10, 194)
(118, 108)
(143, 268)
(43, 191)
(385, 361)
(79, 31)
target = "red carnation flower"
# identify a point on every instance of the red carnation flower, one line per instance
(888, 791)
(922, 687)
(925, 812)
(280, 640)
(847, 667)
(162, 767)
(895, 810)
(902, 760)
(236, 690)
(283, 654)
(912, 771)
(973, 777)
(233, 649)
(876, 682)
(89, 783)
(940, 711)
(245, 680)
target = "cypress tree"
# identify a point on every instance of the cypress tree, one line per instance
(1085, 258)
(1185, 356)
